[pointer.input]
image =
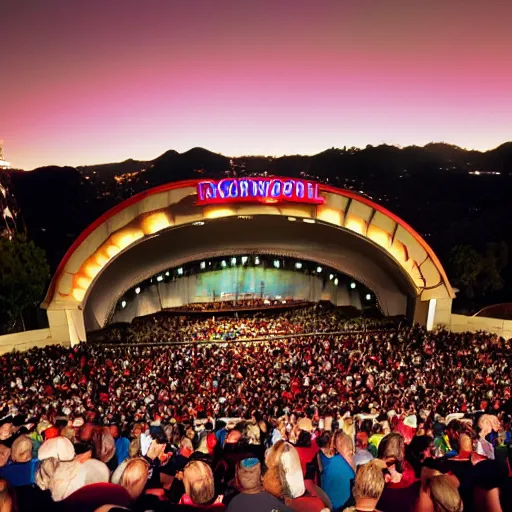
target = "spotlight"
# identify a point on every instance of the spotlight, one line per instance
(319, 269)
(202, 265)
(353, 286)
(298, 265)
(233, 261)
(277, 264)
(160, 278)
(292, 219)
(368, 296)
(336, 282)
(331, 277)
(137, 290)
(180, 271)
(167, 273)
(244, 260)
(309, 221)
(223, 264)
(257, 260)
(198, 223)
(123, 304)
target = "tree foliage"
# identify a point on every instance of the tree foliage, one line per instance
(476, 273)
(24, 273)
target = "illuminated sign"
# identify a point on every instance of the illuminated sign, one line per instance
(258, 190)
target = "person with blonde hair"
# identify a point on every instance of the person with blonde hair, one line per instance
(368, 486)
(20, 470)
(199, 486)
(132, 474)
(439, 493)
(284, 480)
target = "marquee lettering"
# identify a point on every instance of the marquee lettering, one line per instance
(258, 190)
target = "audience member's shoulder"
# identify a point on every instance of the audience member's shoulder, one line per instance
(261, 502)
(488, 474)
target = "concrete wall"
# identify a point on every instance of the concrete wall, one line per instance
(26, 340)
(462, 323)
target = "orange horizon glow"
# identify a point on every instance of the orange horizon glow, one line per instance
(94, 82)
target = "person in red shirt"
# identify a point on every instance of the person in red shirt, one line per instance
(306, 446)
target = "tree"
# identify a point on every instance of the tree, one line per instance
(466, 265)
(24, 273)
(493, 264)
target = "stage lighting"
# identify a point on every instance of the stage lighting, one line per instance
(257, 260)
(336, 282)
(298, 265)
(167, 273)
(353, 286)
(160, 278)
(368, 296)
(277, 264)
(198, 223)
(292, 219)
(223, 264)
(244, 260)
(309, 221)
(202, 265)
(331, 277)
(233, 261)
(137, 290)
(319, 269)
(180, 271)
(123, 304)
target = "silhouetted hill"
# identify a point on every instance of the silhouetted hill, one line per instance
(110, 170)
(434, 188)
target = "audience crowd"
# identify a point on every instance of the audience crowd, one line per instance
(226, 305)
(165, 327)
(389, 420)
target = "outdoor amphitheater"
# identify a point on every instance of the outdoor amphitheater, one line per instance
(265, 343)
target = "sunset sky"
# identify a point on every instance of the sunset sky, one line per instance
(98, 81)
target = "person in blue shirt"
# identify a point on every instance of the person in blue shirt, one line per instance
(336, 476)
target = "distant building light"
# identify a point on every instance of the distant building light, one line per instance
(353, 286)
(160, 278)
(202, 265)
(123, 304)
(137, 290)
(298, 265)
(180, 271)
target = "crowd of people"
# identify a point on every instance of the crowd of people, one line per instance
(252, 302)
(393, 420)
(166, 327)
